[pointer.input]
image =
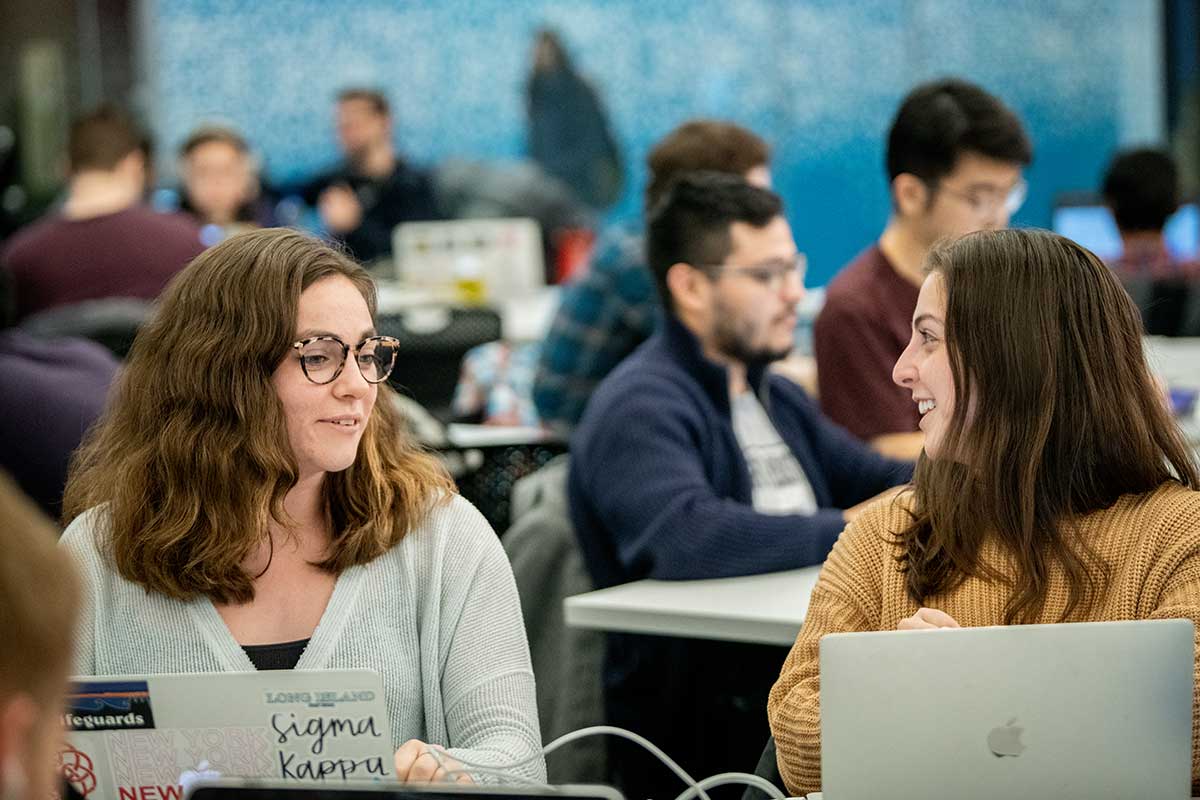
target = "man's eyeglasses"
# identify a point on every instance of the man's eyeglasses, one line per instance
(771, 274)
(323, 357)
(989, 200)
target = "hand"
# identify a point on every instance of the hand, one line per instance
(414, 762)
(927, 619)
(339, 209)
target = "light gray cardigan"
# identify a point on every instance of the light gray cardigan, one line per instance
(437, 616)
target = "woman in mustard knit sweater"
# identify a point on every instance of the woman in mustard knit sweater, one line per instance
(1054, 486)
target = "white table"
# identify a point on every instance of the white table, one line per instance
(1175, 360)
(762, 609)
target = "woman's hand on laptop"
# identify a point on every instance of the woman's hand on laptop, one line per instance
(927, 619)
(416, 761)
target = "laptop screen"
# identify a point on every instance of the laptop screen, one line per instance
(252, 791)
(1093, 227)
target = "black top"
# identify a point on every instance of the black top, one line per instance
(282, 655)
(406, 195)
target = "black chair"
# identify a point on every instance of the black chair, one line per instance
(490, 486)
(112, 322)
(768, 767)
(433, 341)
(1170, 306)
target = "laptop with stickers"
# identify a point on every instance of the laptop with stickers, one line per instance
(132, 737)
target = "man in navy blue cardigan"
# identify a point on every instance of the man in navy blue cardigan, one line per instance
(693, 461)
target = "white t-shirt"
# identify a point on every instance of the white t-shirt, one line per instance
(780, 485)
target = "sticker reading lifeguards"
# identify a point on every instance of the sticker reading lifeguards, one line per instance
(108, 706)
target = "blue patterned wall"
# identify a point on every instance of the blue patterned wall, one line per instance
(819, 78)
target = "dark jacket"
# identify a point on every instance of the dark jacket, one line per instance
(406, 195)
(659, 487)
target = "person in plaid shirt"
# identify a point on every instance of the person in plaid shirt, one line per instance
(612, 308)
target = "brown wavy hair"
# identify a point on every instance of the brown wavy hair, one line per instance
(192, 456)
(1056, 415)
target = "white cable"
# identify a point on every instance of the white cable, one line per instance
(452, 775)
(744, 778)
(598, 730)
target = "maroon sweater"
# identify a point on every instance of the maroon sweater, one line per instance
(861, 331)
(132, 253)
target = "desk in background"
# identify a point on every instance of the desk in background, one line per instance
(1177, 362)
(523, 318)
(438, 337)
(760, 609)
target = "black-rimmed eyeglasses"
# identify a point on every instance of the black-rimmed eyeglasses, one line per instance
(323, 357)
(771, 274)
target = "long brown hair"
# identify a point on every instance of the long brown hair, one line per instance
(192, 455)
(1056, 415)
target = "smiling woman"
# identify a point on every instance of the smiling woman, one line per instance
(253, 500)
(1054, 486)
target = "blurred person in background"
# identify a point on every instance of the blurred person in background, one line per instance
(373, 190)
(220, 182)
(954, 160)
(1141, 188)
(569, 133)
(39, 603)
(104, 241)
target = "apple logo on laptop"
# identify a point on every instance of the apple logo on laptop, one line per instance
(1006, 740)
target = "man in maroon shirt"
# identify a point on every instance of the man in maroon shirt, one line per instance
(103, 242)
(954, 158)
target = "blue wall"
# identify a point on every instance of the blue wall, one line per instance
(820, 79)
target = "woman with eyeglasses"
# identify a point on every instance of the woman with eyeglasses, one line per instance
(1054, 485)
(250, 500)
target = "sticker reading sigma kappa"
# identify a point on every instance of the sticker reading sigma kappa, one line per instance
(98, 705)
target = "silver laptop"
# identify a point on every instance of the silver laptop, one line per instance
(256, 790)
(1089, 710)
(132, 737)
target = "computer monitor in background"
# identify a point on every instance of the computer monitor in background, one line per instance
(491, 260)
(1086, 220)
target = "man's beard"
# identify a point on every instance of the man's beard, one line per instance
(736, 340)
(357, 158)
